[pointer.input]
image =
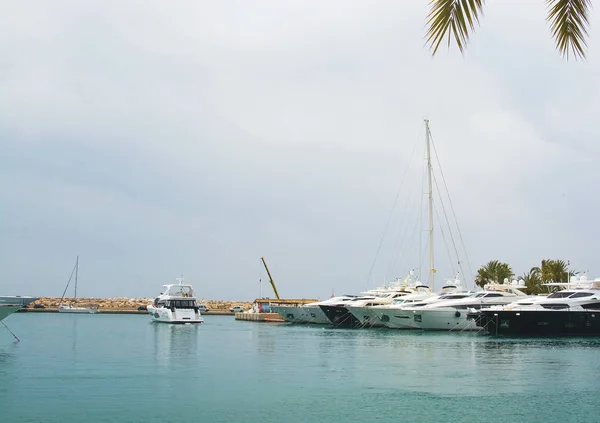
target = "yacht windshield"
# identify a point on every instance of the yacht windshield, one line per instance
(581, 295)
(560, 294)
(454, 297)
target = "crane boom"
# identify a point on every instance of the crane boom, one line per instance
(270, 278)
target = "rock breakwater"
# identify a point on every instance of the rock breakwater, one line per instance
(122, 303)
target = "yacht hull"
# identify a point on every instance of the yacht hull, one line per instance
(538, 322)
(395, 318)
(7, 310)
(340, 317)
(78, 310)
(302, 314)
(443, 319)
(16, 300)
(365, 316)
(177, 316)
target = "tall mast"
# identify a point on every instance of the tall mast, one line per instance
(76, 271)
(430, 195)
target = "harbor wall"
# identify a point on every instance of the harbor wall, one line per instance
(117, 305)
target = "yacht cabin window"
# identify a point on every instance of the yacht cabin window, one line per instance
(581, 294)
(560, 294)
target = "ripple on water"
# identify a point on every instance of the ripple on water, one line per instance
(119, 368)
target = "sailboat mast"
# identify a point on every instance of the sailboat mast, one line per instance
(430, 195)
(76, 272)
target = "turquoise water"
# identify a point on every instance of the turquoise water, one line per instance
(122, 368)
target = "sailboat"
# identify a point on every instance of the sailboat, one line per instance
(73, 308)
(400, 312)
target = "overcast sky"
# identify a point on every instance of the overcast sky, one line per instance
(159, 138)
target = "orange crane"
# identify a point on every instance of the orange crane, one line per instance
(270, 278)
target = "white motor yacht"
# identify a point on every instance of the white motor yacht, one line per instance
(311, 312)
(396, 314)
(177, 304)
(356, 312)
(364, 310)
(451, 314)
(339, 313)
(393, 316)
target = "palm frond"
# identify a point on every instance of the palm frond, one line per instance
(569, 24)
(454, 19)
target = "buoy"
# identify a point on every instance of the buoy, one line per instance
(457, 314)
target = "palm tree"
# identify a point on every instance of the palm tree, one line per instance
(493, 272)
(554, 271)
(456, 19)
(533, 280)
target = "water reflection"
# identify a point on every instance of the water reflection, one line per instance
(74, 335)
(174, 344)
(438, 363)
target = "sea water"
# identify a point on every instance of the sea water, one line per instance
(123, 368)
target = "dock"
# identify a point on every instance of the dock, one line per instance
(262, 309)
(118, 311)
(259, 317)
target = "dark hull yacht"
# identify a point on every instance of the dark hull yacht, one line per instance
(340, 317)
(566, 312)
(538, 322)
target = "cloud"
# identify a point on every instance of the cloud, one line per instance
(156, 140)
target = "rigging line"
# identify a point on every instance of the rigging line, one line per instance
(408, 237)
(401, 252)
(449, 226)
(391, 214)
(452, 207)
(445, 240)
(67, 287)
(410, 215)
(401, 234)
(397, 240)
(12, 333)
(409, 202)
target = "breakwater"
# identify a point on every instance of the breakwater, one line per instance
(122, 305)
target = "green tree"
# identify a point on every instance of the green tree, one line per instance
(554, 271)
(493, 272)
(456, 19)
(533, 281)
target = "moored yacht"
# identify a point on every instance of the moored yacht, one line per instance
(311, 312)
(394, 315)
(177, 304)
(364, 310)
(340, 316)
(570, 311)
(451, 314)
(353, 313)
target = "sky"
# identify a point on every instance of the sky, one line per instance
(158, 139)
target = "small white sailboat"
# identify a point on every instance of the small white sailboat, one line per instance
(73, 307)
(177, 304)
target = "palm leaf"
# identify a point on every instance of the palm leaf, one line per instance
(453, 18)
(569, 24)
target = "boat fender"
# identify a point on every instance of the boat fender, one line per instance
(457, 314)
